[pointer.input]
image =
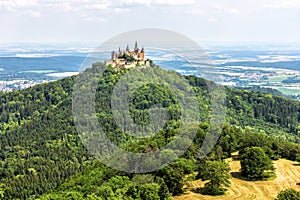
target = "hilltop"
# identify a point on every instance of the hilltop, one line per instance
(41, 150)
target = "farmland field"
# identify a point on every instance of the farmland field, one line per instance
(287, 176)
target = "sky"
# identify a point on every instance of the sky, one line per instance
(215, 21)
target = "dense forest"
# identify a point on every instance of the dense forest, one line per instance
(42, 156)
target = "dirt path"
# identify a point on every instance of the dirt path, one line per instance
(287, 176)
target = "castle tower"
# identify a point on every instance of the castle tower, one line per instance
(136, 45)
(136, 48)
(114, 56)
(142, 54)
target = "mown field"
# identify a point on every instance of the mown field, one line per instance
(287, 176)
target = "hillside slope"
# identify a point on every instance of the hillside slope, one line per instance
(40, 147)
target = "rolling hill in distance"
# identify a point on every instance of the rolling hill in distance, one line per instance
(268, 66)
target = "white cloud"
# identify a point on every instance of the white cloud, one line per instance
(283, 4)
(66, 7)
(238, 20)
(217, 7)
(12, 5)
(94, 19)
(31, 13)
(122, 10)
(233, 11)
(134, 2)
(155, 2)
(21, 7)
(21, 3)
(174, 2)
(225, 10)
(212, 19)
(195, 11)
(89, 18)
(98, 6)
(34, 8)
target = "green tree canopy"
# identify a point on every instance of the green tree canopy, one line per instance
(217, 172)
(255, 164)
(289, 194)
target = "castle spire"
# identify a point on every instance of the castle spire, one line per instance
(136, 46)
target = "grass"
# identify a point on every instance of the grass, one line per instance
(287, 176)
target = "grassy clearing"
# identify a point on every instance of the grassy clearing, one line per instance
(287, 176)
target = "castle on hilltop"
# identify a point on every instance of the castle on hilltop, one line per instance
(128, 58)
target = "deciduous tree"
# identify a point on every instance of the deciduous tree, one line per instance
(255, 164)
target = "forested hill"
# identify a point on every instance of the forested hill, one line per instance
(40, 147)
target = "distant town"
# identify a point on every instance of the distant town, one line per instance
(8, 86)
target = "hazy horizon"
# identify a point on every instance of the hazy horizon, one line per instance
(252, 21)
